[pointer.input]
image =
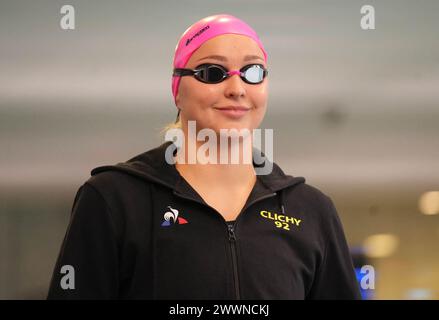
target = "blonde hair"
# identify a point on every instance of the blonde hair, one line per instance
(172, 125)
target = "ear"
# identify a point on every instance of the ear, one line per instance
(177, 99)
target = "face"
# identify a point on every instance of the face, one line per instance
(203, 102)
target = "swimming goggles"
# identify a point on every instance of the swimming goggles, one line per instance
(215, 73)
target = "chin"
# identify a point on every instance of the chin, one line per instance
(232, 125)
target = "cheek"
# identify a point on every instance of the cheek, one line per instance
(259, 100)
(259, 96)
(194, 92)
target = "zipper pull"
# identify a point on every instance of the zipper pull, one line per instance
(232, 236)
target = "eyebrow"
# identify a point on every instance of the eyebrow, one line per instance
(222, 58)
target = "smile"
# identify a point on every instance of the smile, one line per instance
(233, 112)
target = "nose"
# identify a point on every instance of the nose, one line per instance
(235, 86)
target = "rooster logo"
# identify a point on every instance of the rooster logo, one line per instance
(171, 217)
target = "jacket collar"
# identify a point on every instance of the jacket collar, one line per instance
(152, 166)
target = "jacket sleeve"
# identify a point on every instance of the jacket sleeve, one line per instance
(335, 277)
(87, 265)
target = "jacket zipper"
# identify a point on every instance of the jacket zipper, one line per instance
(232, 240)
(232, 237)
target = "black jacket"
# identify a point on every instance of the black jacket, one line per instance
(138, 230)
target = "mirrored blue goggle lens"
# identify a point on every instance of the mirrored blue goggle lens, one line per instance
(254, 74)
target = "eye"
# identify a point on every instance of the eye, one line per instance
(211, 73)
(215, 73)
(254, 73)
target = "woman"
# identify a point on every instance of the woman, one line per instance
(147, 229)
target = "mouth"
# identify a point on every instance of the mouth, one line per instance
(234, 112)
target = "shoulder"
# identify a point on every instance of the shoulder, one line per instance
(120, 191)
(108, 180)
(314, 203)
(113, 183)
(310, 195)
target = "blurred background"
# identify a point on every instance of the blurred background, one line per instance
(355, 112)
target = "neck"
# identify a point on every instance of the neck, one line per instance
(233, 167)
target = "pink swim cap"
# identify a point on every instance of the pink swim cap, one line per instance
(203, 30)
